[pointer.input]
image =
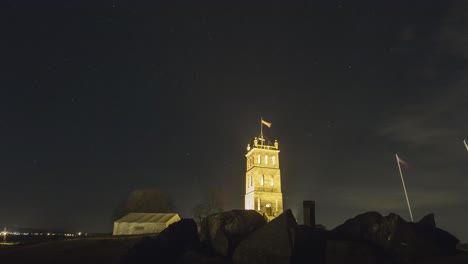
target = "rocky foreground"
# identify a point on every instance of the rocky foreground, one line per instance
(243, 236)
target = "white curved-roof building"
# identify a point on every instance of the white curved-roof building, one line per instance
(144, 223)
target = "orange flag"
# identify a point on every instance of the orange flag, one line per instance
(266, 123)
(402, 162)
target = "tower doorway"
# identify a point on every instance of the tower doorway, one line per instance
(268, 209)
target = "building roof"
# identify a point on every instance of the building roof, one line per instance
(146, 218)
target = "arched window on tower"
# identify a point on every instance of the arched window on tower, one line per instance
(262, 180)
(266, 159)
(259, 159)
(273, 160)
(271, 182)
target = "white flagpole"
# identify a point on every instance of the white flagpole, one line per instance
(466, 145)
(404, 187)
(261, 130)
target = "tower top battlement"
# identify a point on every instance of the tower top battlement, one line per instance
(259, 143)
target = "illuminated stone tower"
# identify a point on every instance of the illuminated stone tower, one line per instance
(263, 179)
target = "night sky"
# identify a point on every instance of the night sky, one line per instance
(98, 100)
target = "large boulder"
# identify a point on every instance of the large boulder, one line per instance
(400, 240)
(272, 243)
(351, 252)
(309, 245)
(196, 257)
(427, 221)
(170, 244)
(224, 231)
(456, 259)
(359, 227)
(412, 241)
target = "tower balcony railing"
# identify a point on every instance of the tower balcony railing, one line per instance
(260, 143)
(265, 146)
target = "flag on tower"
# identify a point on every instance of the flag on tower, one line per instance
(466, 145)
(402, 162)
(266, 123)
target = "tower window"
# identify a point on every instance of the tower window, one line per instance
(273, 160)
(259, 159)
(271, 181)
(266, 159)
(268, 209)
(262, 179)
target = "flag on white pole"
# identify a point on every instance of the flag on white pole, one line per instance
(266, 123)
(402, 162)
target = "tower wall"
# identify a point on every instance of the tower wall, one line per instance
(263, 180)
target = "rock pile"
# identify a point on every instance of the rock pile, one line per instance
(400, 241)
(222, 232)
(243, 236)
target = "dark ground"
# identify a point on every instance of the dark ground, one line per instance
(101, 249)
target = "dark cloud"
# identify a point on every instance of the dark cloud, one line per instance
(438, 117)
(433, 122)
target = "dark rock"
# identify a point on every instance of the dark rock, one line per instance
(195, 257)
(224, 231)
(350, 252)
(320, 226)
(182, 233)
(446, 242)
(409, 241)
(309, 244)
(427, 221)
(359, 227)
(402, 241)
(462, 248)
(272, 243)
(456, 259)
(171, 243)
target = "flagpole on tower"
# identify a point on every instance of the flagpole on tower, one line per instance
(261, 129)
(404, 187)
